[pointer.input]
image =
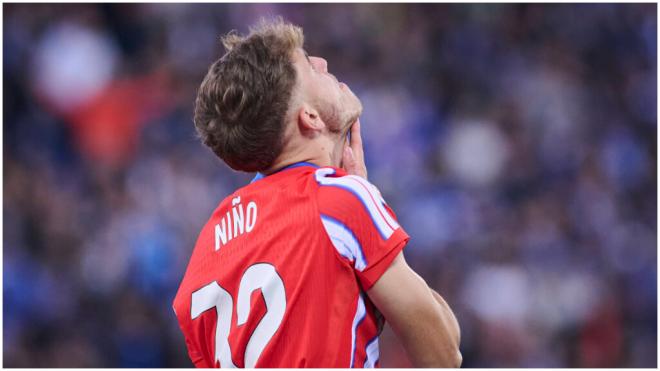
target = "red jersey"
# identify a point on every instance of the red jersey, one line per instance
(279, 273)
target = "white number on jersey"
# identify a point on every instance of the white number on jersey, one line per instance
(259, 276)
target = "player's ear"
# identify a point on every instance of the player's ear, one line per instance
(309, 120)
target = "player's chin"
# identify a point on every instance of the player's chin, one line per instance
(356, 108)
(351, 109)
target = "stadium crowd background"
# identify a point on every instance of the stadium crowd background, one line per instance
(517, 144)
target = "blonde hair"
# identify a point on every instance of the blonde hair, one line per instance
(241, 106)
(288, 36)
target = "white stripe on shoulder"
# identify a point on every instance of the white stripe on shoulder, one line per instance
(368, 195)
(380, 202)
(344, 241)
(372, 354)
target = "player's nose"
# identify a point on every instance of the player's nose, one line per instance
(320, 64)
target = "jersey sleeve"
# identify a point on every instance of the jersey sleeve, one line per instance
(195, 356)
(363, 229)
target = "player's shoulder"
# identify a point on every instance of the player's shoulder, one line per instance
(343, 185)
(353, 202)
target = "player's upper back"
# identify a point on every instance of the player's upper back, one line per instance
(271, 236)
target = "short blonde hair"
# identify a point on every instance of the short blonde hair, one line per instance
(288, 36)
(241, 105)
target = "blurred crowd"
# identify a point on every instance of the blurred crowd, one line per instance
(516, 143)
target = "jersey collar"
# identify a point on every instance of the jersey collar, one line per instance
(295, 164)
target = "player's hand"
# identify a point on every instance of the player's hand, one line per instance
(353, 156)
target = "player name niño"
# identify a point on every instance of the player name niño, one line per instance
(236, 222)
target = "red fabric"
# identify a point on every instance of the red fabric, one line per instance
(322, 289)
(342, 205)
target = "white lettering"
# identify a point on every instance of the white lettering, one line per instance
(243, 222)
(229, 225)
(220, 234)
(239, 224)
(251, 216)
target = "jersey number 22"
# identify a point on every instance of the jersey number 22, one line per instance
(258, 276)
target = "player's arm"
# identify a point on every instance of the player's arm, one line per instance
(445, 308)
(419, 316)
(421, 319)
(450, 314)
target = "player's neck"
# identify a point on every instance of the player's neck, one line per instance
(284, 162)
(316, 155)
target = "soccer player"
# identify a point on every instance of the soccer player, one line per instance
(301, 267)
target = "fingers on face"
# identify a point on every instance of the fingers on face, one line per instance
(348, 160)
(355, 129)
(356, 141)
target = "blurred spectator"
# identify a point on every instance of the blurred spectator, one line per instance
(517, 144)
